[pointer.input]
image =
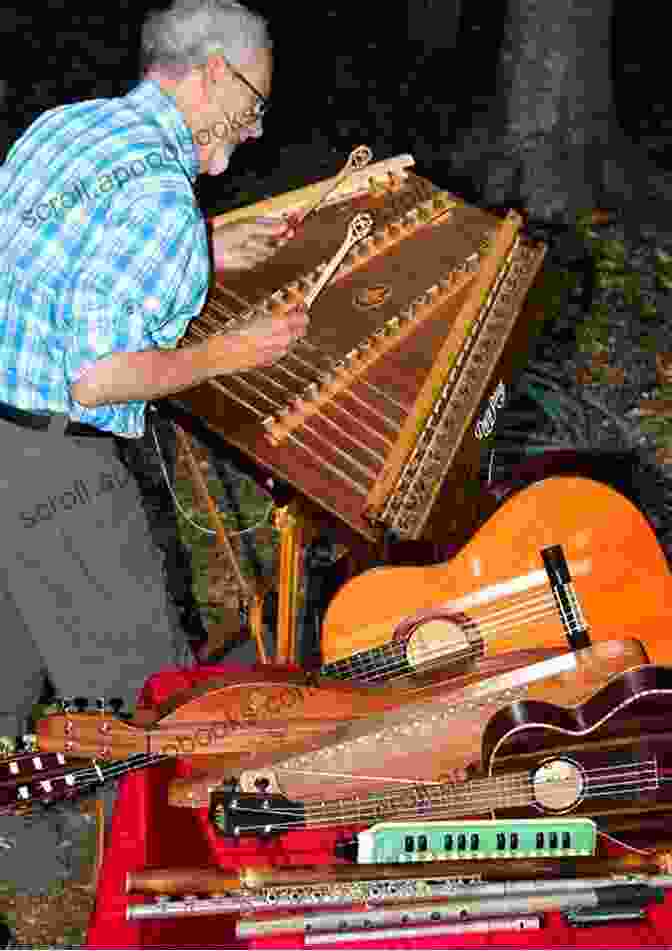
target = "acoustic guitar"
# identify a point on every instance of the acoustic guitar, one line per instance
(563, 560)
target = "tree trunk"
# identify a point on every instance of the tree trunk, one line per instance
(551, 142)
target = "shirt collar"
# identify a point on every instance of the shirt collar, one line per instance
(160, 108)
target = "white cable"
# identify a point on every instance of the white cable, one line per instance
(178, 506)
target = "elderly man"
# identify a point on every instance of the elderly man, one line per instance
(105, 261)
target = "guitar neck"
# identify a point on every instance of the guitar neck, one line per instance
(370, 666)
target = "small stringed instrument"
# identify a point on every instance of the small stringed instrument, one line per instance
(416, 742)
(241, 720)
(610, 756)
(561, 558)
(34, 778)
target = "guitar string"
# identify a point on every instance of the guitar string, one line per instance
(397, 663)
(477, 791)
(396, 650)
(495, 623)
(309, 801)
(486, 798)
(429, 811)
(477, 785)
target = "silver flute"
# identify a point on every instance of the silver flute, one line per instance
(374, 892)
(482, 926)
(451, 911)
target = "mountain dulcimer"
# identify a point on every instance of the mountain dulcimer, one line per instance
(242, 717)
(233, 722)
(421, 740)
(610, 756)
(564, 560)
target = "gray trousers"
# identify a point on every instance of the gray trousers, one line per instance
(83, 595)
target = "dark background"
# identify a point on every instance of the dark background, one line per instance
(345, 74)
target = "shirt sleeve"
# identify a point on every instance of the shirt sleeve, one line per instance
(147, 281)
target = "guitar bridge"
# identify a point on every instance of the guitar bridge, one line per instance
(566, 599)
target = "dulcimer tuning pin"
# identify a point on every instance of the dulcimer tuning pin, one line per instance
(81, 703)
(100, 704)
(66, 704)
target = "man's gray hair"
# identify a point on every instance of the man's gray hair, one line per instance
(176, 40)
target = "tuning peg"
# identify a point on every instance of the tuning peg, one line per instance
(116, 703)
(29, 742)
(81, 703)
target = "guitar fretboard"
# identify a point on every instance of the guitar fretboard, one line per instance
(373, 664)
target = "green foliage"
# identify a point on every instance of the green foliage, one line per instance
(616, 278)
(550, 296)
(254, 506)
(663, 270)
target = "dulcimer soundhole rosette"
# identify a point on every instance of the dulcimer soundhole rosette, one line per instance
(372, 415)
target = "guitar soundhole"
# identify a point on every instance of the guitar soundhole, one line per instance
(558, 785)
(438, 641)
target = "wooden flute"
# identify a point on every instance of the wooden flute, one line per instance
(214, 880)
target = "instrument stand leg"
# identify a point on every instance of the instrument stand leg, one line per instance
(291, 522)
(297, 530)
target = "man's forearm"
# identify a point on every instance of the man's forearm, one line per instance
(143, 375)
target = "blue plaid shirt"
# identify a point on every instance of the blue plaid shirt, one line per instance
(103, 248)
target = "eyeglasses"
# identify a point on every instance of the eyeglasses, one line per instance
(262, 105)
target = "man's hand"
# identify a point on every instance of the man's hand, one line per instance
(244, 244)
(260, 342)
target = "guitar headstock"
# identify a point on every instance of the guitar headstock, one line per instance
(239, 814)
(95, 733)
(195, 791)
(30, 777)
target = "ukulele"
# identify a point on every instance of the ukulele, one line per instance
(562, 557)
(611, 756)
